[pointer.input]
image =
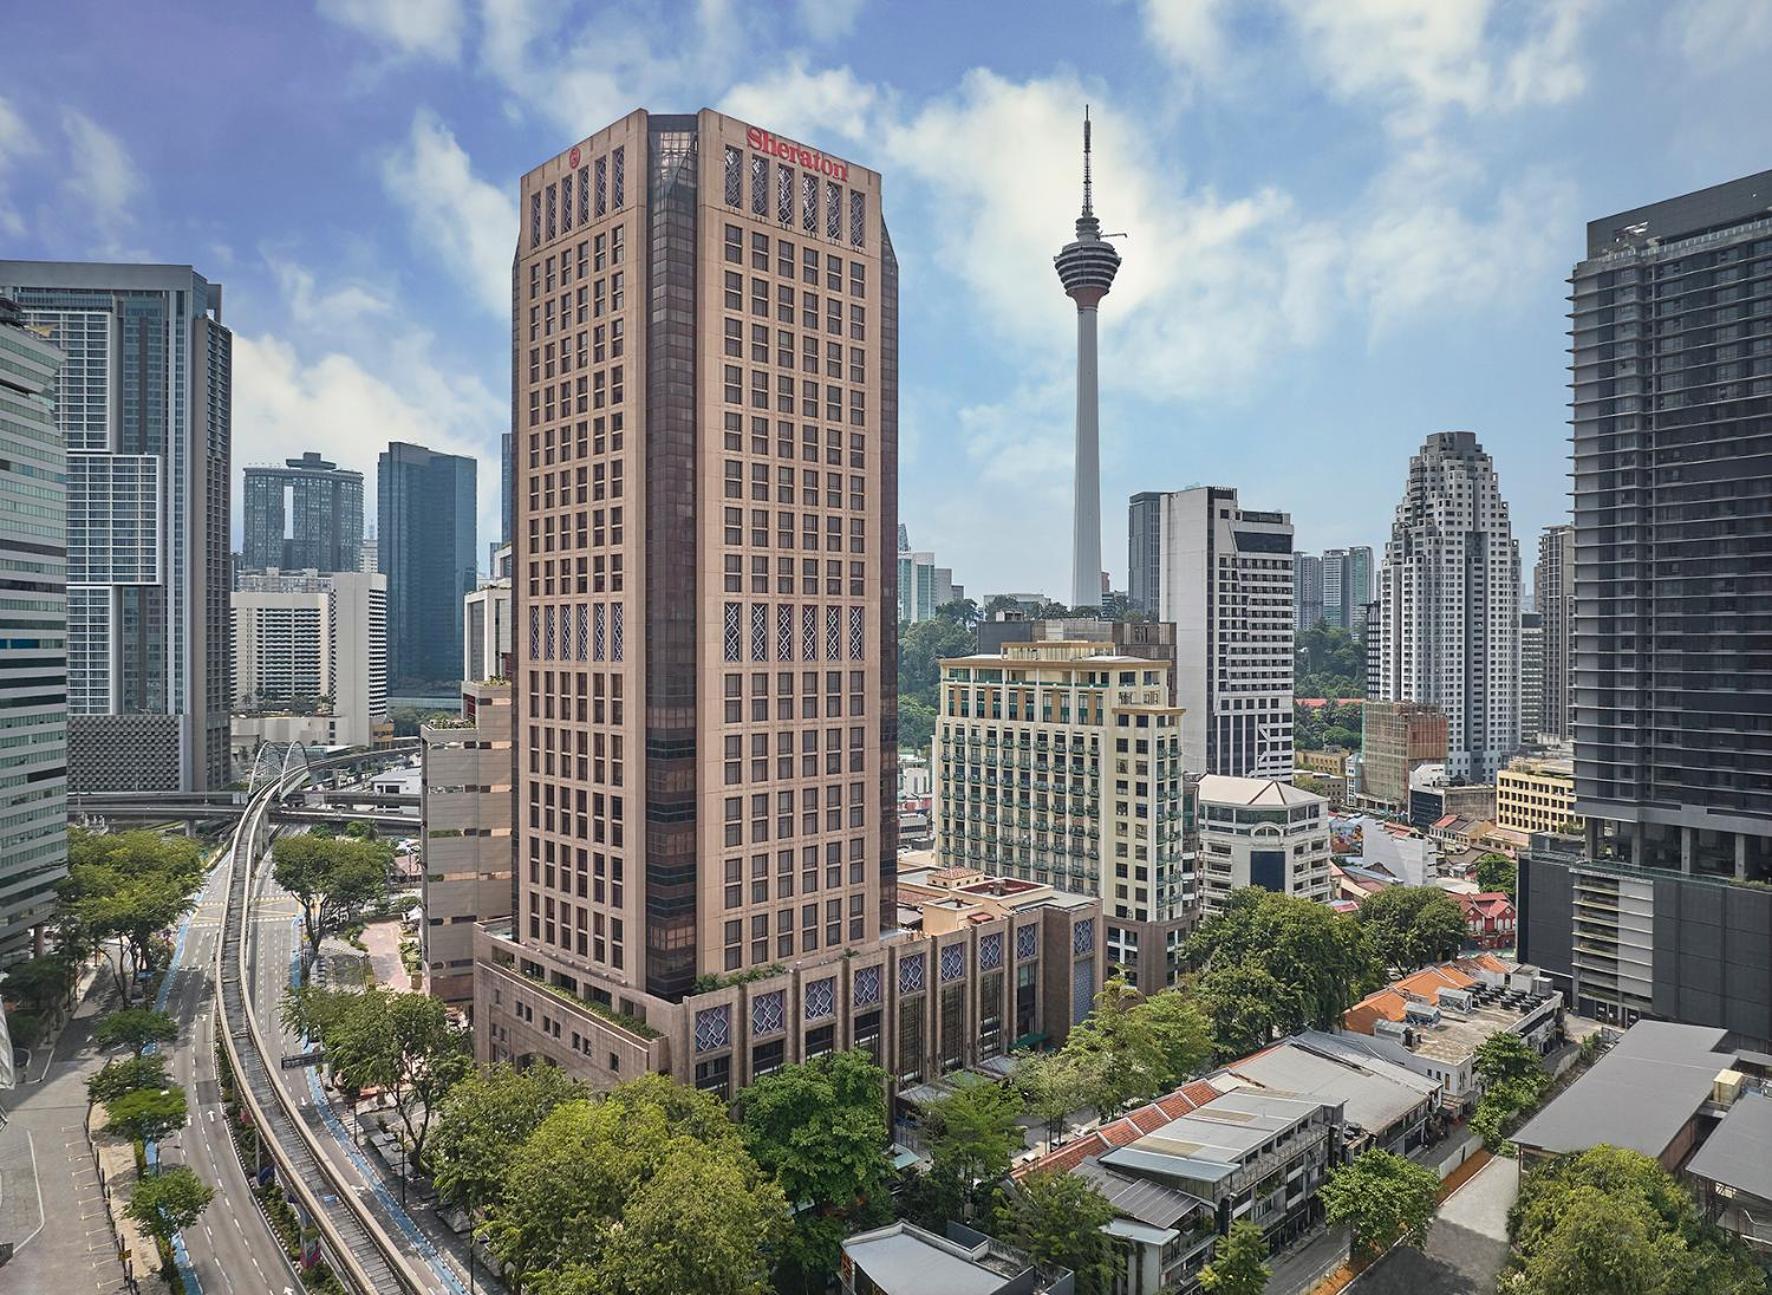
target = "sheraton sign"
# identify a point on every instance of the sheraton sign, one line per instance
(799, 154)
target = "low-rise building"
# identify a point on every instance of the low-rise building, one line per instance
(465, 831)
(1383, 1105)
(904, 1259)
(1733, 1169)
(1433, 1021)
(1455, 832)
(1537, 796)
(1489, 917)
(960, 983)
(1396, 738)
(1182, 1169)
(1259, 832)
(1432, 797)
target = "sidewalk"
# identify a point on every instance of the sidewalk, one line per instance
(114, 1159)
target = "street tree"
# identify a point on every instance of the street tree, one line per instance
(1134, 1047)
(1058, 1219)
(1506, 1057)
(973, 1136)
(1384, 1199)
(135, 1028)
(819, 1129)
(1246, 1005)
(120, 1077)
(41, 984)
(483, 1121)
(405, 1044)
(1054, 1084)
(332, 880)
(147, 1114)
(1411, 926)
(169, 1202)
(571, 1184)
(1239, 1265)
(121, 892)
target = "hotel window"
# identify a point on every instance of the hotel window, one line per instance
(535, 220)
(809, 202)
(553, 206)
(858, 218)
(833, 209)
(584, 208)
(858, 323)
(566, 202)
(809, 266)
(620, 169)
(759, 185)
(784, 194)
(858, 280)
(734, 290)
(784, 259)
(601, 171)
(734, 177)
(910, 1041)
(735, 244)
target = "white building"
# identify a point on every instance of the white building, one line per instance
(1225, 578)
(1259, 832)
(1449, 608)
(486, 623)
(315, 645)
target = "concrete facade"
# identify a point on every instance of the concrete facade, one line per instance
(303, 636)
(1257, 832)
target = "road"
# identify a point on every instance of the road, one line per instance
(231, 1249)
(1466, 1247)
(51, 1206)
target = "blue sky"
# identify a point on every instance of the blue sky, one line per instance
(1349, 220)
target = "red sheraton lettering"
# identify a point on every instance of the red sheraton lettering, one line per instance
(799, 154)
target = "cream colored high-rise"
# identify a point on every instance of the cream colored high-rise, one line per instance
(704, 548)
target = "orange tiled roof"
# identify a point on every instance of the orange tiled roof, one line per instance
(1125, 1130)
(1381, 1005)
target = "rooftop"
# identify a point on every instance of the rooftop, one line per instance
(1638, 1096)
(904, 1259)
(1374, 1094)
(1222, 789)
(1211, 1143)
(1739, 1151)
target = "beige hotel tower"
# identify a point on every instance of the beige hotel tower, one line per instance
(704, 435)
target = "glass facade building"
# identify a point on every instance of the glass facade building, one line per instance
(426, 515)
(143, 402)
(33, 635)
(306, 515)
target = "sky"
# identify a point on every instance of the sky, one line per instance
(1348, 223)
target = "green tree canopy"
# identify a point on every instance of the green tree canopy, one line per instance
(1411, 926)
(42, 983)
(1239, 1265)
(1247, 1006)
(921, 650)
(332, 879)
(819, 1130)
(1384, 1199)
(1331, 662)
(1497, 872)
(169, 1202)
(1321, 961)
(1130, 1048)
(1058, 1219)
(135, 1028)
(404, 1043)
(1053, 1084)
(147, 1114)
(120, 1077)
(594, 1170)
(122, 890)
(483, 1121)
(973, 1136)
(1505, 1057)
(1614, 1220)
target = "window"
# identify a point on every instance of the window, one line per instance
(858, 218)
(619, 160)
(784, 194)
(833, 209)
(809, 202)
(759, 185)
(734, 177)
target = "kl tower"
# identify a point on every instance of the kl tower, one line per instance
(1086, 268)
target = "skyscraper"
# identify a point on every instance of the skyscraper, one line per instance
(1225, 578)
(34, 653)
(300, 638)
(304, 516)
(1553, 597)
(706, 628)
(1087, 267)
(1307, 591)
(1672, 416)
(1347, 586)
(143, 401)
(1532, 676)
(1144, 552)
(426, 513)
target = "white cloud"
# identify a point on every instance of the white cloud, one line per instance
(813, 105)
(470, 224)
(16, 142)
(581, 76)
(1190, 33)
(309, 306)
(101, 178)
(1415, 59)
(432, 28)
(1715, 34)
(829, 20)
